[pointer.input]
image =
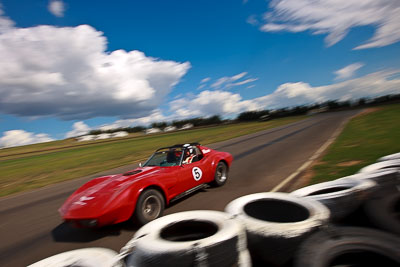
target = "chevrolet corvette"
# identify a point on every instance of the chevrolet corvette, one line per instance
(142, 194)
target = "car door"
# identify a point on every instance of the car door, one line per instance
(171, 178)
(194, 173)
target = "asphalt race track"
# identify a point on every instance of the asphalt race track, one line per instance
(31, 228)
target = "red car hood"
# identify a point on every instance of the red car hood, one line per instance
(91, 201)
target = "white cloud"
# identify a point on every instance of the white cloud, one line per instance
(57, 8)
(65, 72)
(336, 18)
(227, 82)
(205, 80)
(78, 128)
(244, 82)
(209, 103)
(348, 71)
(238, 76)
(252, 20)
(21, 138)
(6, 24)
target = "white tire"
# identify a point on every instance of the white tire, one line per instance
(192, 238)
(85, 257)
(341, 196)
(276, 223)
(390, 157)
(395, 163)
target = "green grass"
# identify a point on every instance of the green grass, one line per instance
(364, 139)
(22, 172)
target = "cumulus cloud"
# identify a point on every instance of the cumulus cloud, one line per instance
(21, 138)
(56, 7)
(348, 71)
(66, 72)
(209, 103)
(78, 128)
(5, 23)
(335, 18)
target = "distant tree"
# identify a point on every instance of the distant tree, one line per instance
(361, 102)
(160, 125)
(95, 132)
(252, 115)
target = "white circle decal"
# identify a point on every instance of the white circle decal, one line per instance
(197, 173)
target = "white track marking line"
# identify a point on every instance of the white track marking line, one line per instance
(313, 157)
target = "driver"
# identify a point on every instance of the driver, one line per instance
(189, 155)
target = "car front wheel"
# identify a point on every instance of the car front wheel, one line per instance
(149, 206)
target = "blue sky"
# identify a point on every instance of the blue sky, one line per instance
(71, 76)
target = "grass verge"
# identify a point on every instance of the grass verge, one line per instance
(23, 172)
(364, 139)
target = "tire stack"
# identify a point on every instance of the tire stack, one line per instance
(369, 198)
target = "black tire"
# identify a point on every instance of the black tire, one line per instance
(191, 238)
(220, 175)
(387, 180)
(276, 223)
(384, 212)
(349, 246)
(150, 206)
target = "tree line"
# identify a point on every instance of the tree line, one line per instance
(262, 115)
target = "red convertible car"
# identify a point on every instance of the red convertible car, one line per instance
(169, 174)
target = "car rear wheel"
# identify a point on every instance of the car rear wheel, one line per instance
(149, 206)
(221, 174)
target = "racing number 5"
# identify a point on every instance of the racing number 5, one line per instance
(197, 173)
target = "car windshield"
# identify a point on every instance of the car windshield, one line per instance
(165, 158)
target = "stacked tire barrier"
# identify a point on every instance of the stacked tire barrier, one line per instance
(309, 227)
